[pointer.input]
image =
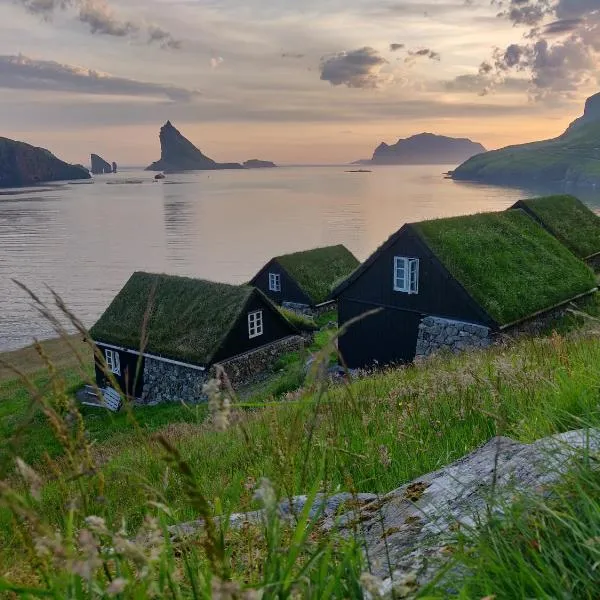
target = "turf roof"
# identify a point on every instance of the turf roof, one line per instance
(571, 221)
(317, 270)
(189, 319)
(507, 262)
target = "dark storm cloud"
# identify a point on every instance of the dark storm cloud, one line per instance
(359, 68)
(101, 20)
(23, 73)
(396, 47)
(562, 26)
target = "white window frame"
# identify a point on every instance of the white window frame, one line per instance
(274, 282)
(255, 324)
(113, 361)
(406, 275)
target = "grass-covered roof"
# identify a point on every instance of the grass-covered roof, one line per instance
(570, 220)
(188, 318)
(507, 262)
(317, 270)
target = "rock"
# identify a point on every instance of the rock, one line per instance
(179, 154)
(254, 163)
(425, 148)
(159, 176)
(100, 166)
(114, 167)
(22, 164)
(420, 517)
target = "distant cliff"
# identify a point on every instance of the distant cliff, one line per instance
(254, 163)
(572, 159)
(423, 149)
(22, 164)
(179, 154)
(100, 166)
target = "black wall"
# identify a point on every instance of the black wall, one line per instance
(392, 336)
(275, 327)
(290, 290)
(127, 379)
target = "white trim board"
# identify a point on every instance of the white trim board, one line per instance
(152, 356)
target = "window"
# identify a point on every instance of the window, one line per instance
(255, 324)
(406, 275)
(112, 361)
(274, 282)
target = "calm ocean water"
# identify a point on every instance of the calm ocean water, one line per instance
(84, 240)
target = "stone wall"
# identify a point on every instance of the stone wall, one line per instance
(247, 367)
(436, 333)
(306, 310)
(167, 382)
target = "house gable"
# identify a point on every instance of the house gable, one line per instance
(438, 291)
(273, 324)
(290, 290)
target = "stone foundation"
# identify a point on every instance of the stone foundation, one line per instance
(167, 382)
(245, 368)
(308, 311)
(436, 333)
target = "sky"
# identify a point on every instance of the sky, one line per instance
(293, 81)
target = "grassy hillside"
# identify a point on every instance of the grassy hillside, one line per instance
(572, 158)
(370, 435)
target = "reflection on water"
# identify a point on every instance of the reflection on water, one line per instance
(84, 240)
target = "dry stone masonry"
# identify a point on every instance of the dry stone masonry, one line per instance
(168, 382)
(436, 333)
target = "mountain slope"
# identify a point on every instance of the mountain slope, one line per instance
(425, 148)
(570, 159)
(23, 164)
(177, 153)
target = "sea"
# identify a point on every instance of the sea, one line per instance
(83, 240)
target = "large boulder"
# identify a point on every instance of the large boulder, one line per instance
(179, 154)
(22, 164)
(100, 166)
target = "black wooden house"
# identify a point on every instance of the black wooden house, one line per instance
(451, 283)
(161, 333)
(305, 279)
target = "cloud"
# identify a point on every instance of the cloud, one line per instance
(560, 53)
(423, 52)
(481, 84)
(102, 20)
(396, 47)
(359, 68)
(292, 55)
(215, 61)
(23, 73)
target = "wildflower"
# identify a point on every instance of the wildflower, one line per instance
(96, 524)
(31, 478)
(51, 546)
(265, 494)
(90, 559)
(384, 456)
(117, 586)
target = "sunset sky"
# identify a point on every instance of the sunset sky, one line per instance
(294, 81)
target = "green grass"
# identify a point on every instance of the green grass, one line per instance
(317, 270)
(507, 262)
(567, 218)
(188, 320)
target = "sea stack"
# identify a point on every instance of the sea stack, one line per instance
(179, 154)
(100, 166)
(254, 163)
(114, 167)
(22, 164)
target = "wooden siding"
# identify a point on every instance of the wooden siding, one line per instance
(127, 378)
(387, 337)
(290, 290)
(391, 336)
(275, 327)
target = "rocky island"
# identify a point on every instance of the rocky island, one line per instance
(572, 159)
(179, 154)
(424, 149)
(254, 163)
(22, 164)
(100, 166)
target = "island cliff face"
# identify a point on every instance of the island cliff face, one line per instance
(254, 163)
(572, 159)
(100, 166)
(22, 164)
(425, 148)
(179, 154)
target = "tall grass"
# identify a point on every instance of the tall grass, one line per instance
(97, 513)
